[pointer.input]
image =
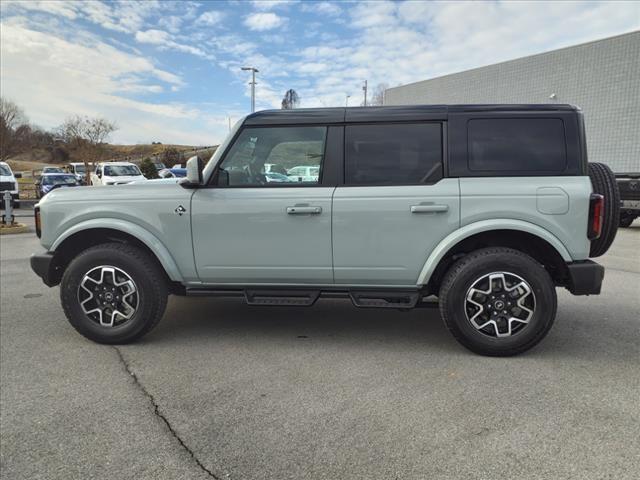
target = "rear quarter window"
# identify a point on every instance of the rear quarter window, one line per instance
(516, 145)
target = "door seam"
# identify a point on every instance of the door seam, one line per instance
(333, 269)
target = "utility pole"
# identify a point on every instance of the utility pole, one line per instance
(364, 88)
(346, 103)
(253, 71)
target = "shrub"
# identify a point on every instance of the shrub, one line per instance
(148, 169)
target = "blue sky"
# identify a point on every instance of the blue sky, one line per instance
(170, 71)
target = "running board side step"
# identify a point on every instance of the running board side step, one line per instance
(380, 299)
(303, 297)
(281, 298)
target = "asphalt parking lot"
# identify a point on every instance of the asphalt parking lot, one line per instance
(222, 390)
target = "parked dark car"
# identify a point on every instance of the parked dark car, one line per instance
(173, 172)
(51, 181)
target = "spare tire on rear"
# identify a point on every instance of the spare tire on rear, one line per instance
(604, 182)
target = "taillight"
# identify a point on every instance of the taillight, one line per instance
(36, 213)
(596, 216)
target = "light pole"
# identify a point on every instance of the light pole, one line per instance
(253, 71)
(346, 103)
(364, 89)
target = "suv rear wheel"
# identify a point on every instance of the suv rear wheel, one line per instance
(498, 301)
(113, 293)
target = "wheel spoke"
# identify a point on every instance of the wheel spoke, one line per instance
(499, 304)
(108, 295)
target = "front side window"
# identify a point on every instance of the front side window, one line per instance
(284, 156)
(393, 154)
(517, 144)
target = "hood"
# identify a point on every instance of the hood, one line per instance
(110, 194)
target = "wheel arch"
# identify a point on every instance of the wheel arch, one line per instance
(86, 234)
(524, 236)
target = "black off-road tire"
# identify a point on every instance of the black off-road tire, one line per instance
(141, 268)
(604, 182)
(462, 275)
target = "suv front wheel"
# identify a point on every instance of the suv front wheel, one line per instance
(498, 301)
(113, 293)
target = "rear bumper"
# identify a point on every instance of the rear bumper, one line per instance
(585, 277)
(44, 265)
(631, 205)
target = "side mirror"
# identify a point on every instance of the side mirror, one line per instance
(17, 174)
(99, 174)
(194, 170)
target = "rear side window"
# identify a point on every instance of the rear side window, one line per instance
(393, 154)
(517, 144)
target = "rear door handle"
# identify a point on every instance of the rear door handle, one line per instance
(304, 210)
(429, 208)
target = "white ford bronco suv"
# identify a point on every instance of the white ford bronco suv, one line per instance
(489, 208)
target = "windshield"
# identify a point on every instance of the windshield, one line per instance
(59, 180)
(4, 171)
(79, 168)
(52, 170)
(121, 170)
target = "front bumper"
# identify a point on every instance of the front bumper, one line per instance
(46, 267)
(585, 277)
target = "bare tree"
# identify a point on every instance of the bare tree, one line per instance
(377, 98)
(87, 135)
(291, 100)
(13, 128)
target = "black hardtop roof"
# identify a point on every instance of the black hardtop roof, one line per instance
(387, 113)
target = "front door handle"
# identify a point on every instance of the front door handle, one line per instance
(429, 208)
(304, 210)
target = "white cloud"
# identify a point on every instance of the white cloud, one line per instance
(164, 41)
(271, 4)
(62, 9)
(210, 18)
(264, 21)
(325, 8)
(52, 78)
(155, 37)
(122, 16)
(402, 42)
(171, 23)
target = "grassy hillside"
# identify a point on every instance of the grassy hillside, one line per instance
(37, 157)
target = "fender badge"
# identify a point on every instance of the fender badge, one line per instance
(180, 210)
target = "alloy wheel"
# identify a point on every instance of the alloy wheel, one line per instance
(108, 295)
(500, 304)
